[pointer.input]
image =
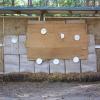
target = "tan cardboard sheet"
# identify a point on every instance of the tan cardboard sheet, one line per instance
(51, 45)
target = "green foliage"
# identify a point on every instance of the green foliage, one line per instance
(49, 3)
(21, 2)
(7, 2)
(53, 3)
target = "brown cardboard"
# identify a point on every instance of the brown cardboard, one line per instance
(51, 45)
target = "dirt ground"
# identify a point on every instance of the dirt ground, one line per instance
(49, 91)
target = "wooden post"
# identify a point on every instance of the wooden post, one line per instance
(3, 31)
(80, 67)
(42, 17)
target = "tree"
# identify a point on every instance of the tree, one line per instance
(29, 2)
(58, 3)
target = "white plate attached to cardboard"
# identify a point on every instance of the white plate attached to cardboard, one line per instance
(39, 61)
(43, 31)
(76, 59)
(56, 61)
(77, 37)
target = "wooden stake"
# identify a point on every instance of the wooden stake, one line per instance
(3, 43)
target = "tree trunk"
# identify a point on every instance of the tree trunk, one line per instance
(87, 2)
(13, 2)
(29, 2)
(93, 2)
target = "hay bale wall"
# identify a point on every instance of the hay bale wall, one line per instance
(17, 27)
(94, 28)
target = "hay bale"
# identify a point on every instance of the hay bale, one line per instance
(44, 67)
(55, 77)
(11, 63)
(9, 47)
(72, 67)
(22, 46)
(59, 68)
(26, 65)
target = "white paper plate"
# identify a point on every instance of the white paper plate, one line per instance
(77, 37)
(14, 39)
(56, 61)
(62, 35)
(76, 59)
(39, 61)
(43, 31)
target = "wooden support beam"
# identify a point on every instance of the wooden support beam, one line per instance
(42, 15)
(17, 12)
(70, 12)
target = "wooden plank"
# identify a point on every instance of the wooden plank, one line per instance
(18, 17)
(1, 46)
(30, 22)
(57, 27)
(73, 21)
(98, 64)
(15, 26)
(1, 61)
(83, 12)
(72, 18)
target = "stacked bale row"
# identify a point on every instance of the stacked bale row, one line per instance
(14, 55)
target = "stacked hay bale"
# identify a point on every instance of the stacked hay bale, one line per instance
(15, 54)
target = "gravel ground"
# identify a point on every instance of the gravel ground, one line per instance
(49, 91)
